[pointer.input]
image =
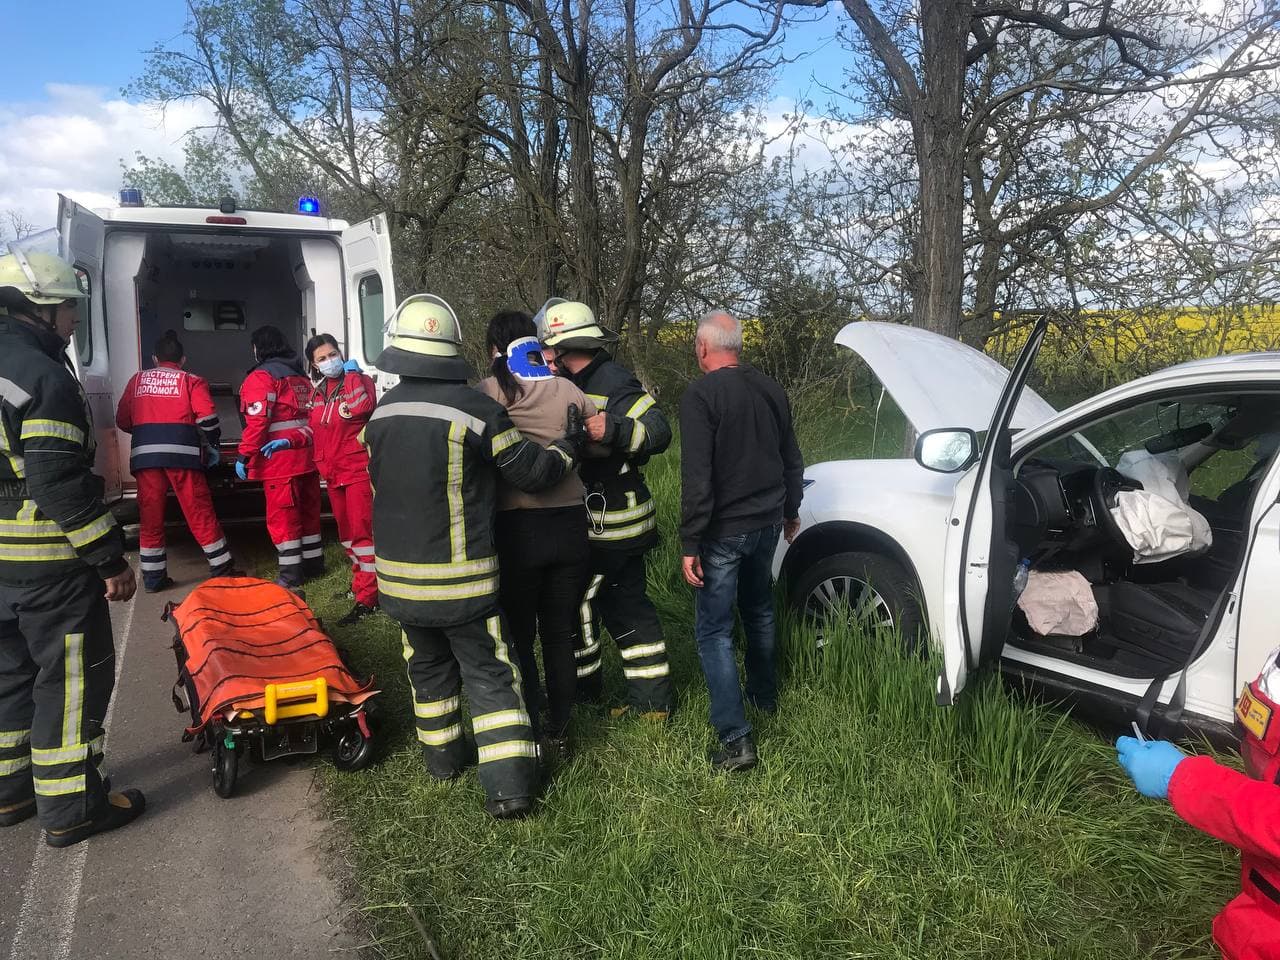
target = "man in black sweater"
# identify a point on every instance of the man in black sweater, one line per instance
(741, 474)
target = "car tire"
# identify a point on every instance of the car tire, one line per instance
(894, 602)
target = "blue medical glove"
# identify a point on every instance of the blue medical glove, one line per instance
(1149, 764)
(241, 470)
(352, 366)
(271, 446)
(212, 457)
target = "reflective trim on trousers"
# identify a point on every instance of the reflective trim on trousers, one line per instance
(435, 708)
(643, 650)
(642, 673)
(61, 787)
(499, 719)
(506, 750)
(440, 738)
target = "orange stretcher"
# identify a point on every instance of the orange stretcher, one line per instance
(259, 674)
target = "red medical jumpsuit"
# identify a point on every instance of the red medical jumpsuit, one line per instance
(273, 403)
(340, 408)
(172, 419)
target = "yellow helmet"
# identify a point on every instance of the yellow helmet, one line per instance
(40, 277)
(426, 340)
(571, 325)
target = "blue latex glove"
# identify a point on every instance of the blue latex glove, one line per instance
(271, 446)
(352, 366)
(241, 470)
(1149, 764)
(212, 457)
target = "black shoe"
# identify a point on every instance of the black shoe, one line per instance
(16, 813)
(159, 585)
(445, 768)
(230, 572)
(736, 755)
(515, 808)
(357, 613)
(555, 751)
(121, 810)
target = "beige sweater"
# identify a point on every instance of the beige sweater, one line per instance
(540, 413)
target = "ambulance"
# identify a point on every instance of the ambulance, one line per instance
(213, 276)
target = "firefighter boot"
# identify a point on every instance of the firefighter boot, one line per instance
(120, 810)
(16, 813)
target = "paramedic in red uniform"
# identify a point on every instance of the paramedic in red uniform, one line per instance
(341, 404)
(175, 432)
(1241, 810)
(276, 449)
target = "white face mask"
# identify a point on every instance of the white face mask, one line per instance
(331, 368)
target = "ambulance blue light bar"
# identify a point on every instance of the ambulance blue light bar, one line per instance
(309, 205)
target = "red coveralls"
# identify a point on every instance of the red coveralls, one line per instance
(273, 404)
(172, 419)
(339, 410)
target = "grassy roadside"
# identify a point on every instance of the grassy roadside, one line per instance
(877, 825)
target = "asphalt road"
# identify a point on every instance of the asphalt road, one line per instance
(197, 875)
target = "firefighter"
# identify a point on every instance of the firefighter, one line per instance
(276, 449)
(175, 432)
(436, 450)
(622, 520)
(340, 406)
(61, 560)
(1241, 810)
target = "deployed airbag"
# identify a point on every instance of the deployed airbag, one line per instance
(1059, 604)
(1158, 521)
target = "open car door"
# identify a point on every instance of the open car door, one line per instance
(981, 558)
(371, 296)
(81, 235)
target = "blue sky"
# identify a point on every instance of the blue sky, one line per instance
(65, 127)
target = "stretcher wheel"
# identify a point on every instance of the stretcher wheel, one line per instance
(353, 750)
(226, 767)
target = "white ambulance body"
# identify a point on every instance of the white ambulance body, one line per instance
(214, 276)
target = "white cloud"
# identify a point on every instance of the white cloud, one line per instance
(73, 141)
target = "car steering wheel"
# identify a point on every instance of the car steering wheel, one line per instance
(1107, 482)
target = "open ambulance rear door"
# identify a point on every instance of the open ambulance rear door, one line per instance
(371, 292)
(981, 557)
(81, 234)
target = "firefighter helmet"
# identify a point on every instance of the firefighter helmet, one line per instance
(571, 325)
(42, 278)
(426, 340)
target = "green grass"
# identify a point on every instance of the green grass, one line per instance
(877, 825)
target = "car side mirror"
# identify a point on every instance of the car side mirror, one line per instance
(949, 450)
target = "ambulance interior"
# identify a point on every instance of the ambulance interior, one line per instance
(214, 290)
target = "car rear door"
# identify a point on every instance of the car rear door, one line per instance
(371, 297)
(981, 557)
(81, 236)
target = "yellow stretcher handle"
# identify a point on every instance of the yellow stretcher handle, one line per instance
(310, 698)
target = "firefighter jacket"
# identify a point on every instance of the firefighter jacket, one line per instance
(274, 401)
(171, 415)
(52, 518)
(436, 449)
(339, 410)
(621, 509)
(1245, 813)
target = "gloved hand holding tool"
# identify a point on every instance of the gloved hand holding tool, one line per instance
(1149, 764)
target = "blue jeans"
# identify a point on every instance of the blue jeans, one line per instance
(737, 568)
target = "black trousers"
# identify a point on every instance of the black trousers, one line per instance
(57, 670)
(616, 595)
(544, 561)
(476, 656)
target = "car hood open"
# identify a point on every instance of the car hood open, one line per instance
(937, 381)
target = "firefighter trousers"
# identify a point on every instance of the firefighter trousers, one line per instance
(293, 523)
(475, 657)
(57, 670)
(616, 595)
(191, 489)
(353, 512)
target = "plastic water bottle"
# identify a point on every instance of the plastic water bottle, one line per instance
(1020, 577)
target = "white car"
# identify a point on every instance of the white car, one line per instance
(938, 540)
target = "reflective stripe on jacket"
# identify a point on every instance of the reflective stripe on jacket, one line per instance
(52, 517)
(339, 410)
(622, 513)
(436, 450)
(171, 417)
(274, 401)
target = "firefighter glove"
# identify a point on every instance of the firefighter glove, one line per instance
(575, 428)
(212, 457)
(271, 446)
(1149, 764)
(242, 469)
